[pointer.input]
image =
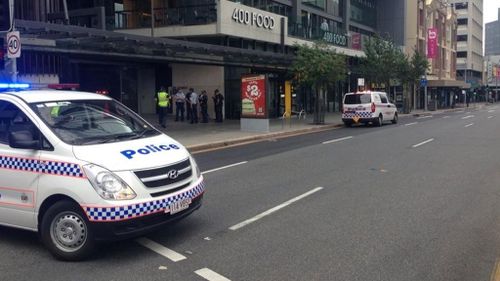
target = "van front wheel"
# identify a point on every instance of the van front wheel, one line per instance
(66, 233)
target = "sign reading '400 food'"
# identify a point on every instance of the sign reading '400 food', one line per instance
(336, 39)
(254, 19)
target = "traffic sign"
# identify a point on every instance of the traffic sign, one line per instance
(423, 82)
(13, 45)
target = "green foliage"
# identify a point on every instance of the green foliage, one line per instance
(318, 66)
(419, 65)
(383, 60)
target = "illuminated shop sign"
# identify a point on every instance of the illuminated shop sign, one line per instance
(259, 20)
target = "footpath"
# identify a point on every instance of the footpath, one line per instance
(205, 136)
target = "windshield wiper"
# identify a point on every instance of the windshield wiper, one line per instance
(144, 133)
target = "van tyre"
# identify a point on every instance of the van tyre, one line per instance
(379, 121)
(395, 119)
(66, 232)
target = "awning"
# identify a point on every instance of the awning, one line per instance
(448, 83)
(91, 41)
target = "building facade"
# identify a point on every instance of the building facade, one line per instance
(492, 37)
(129, 48)
(469, 41)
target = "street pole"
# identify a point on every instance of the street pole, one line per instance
(425, 92)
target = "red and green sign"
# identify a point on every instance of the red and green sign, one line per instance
(253, 96)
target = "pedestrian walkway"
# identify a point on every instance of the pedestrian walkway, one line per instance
(203, 136)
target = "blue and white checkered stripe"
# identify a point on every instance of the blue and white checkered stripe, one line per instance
(361, 114)
(103, 214)
(37, 166)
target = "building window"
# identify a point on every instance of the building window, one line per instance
(461, 6)
(364, 12)
(462, 21)
(461, 54)
(315, 3)
(39, 63)
(462, 38)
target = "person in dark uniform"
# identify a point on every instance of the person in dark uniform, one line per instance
(218, 103)
(203, 99)
(188, 105)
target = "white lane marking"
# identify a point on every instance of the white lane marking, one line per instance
(272, 210)
(491, 111)
(210, 275)
(468, 125)
(337, 140)
(224, 167)
(467, 117)
(409, 124)
(422, 143)
(444, 117)
(489, 117)
(423, 117)
(160, 249)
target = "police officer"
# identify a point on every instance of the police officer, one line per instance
(218, 103)
(203, 99)
(180, 100)
(162, 100)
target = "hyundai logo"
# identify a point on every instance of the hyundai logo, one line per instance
(172, 174)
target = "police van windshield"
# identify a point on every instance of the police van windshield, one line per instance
(358, 98)
(82, 122)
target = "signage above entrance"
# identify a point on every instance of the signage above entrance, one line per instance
(246, 17)
(238, 20)
(335, 39)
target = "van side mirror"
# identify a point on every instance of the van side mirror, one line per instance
(22, 136)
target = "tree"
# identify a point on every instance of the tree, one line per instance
(381, 62)
(317, 67)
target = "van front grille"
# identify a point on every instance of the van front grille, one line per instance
(174, 174)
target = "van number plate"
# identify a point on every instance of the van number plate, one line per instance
(178, 206)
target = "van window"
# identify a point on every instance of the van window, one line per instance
(12, 118)
(383, 98)
(82, 122)
(357, 99)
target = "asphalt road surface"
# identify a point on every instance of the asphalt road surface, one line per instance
(419, 200)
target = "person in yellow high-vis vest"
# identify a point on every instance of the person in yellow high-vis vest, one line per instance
(162, 100)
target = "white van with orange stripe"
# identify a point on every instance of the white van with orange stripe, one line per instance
(368, 107)
(80, 167)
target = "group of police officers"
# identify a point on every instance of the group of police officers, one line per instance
(187, 103)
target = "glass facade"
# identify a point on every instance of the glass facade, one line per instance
(364, 12)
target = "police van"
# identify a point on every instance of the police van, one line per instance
(79, 168)
(368, 107)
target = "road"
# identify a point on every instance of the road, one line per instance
(419, 200)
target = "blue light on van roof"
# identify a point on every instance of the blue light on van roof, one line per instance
(14, 86)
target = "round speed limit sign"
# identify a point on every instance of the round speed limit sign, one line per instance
(13, 45)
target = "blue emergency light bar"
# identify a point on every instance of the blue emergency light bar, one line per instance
(4, 86)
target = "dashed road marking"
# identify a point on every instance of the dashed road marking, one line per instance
(423, 117)
(224, 167)
(445, 117)
(489, 117)
(409, 124)
(467, 117)
(275, 209)
(160, 249)
(422, 143)
(337, 140)
(491, 111)
(468, 125)
(210, 275)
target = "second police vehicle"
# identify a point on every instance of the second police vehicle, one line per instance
(368, 107)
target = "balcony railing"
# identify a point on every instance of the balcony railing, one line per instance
(189, 15)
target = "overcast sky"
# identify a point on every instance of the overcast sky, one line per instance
(490, 10)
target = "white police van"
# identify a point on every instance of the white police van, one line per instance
(80, 167)
(368, 107)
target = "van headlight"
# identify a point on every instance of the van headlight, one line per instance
(196, 169)
(108, 185)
